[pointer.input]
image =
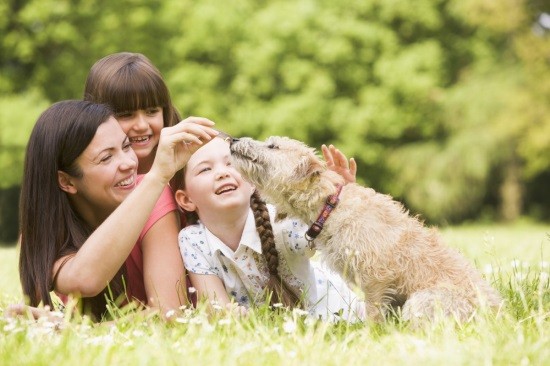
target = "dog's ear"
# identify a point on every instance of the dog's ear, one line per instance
(308, 166)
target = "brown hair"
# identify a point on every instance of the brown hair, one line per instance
(280, 291)
(50, 228)
(128, 82)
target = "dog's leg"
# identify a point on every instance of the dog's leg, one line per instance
(436, 303)
(376, 305)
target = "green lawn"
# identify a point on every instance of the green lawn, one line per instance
(514, 257)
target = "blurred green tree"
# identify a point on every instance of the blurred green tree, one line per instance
(444, 103)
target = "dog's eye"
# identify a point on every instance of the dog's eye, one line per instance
(272, 146)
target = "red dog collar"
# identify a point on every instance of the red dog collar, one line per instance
(315, 228)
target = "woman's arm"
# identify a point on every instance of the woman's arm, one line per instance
(104, 252)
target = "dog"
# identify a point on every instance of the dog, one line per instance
(367, 237)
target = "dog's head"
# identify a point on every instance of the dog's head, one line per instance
(276, 165)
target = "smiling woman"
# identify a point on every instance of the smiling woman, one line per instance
(85, 222)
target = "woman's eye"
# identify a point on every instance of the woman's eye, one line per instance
(106, 158)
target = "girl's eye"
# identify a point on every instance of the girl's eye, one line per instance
(153, 110)
(123, 115)
(126, 146)
(204, 170)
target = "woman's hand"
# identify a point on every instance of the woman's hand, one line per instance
(179, 142)
(338, 162)
(31, 312)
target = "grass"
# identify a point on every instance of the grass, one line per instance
(514, 258)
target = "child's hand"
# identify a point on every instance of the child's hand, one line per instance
(237, 310)
(338, 162)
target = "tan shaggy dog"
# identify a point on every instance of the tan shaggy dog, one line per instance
(368, 238)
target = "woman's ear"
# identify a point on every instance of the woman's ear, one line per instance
(184, 201)
(65, 182)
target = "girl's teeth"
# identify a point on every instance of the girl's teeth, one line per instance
(139, 139)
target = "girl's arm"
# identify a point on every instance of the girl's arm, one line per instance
(338, 162)
(210, 287)
(163, 271)
(97, 261)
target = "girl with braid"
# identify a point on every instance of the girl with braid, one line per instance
(236, 254)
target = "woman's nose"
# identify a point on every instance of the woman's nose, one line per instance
(128, 163)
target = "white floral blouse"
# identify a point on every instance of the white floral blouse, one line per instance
(244, 272)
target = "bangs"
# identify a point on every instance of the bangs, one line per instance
(131, 89)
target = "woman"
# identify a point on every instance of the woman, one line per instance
(82, 210)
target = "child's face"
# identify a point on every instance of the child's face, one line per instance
(212, 184)
(143, 128)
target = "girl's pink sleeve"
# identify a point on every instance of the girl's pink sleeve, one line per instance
(165, 204)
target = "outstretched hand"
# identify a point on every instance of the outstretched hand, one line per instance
(338, 162)
(177, 144)
(31, 312)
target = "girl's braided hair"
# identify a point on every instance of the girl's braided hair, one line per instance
(281, 293)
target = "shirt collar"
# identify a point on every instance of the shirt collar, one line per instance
(250, 238)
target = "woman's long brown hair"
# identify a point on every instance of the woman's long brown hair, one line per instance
(50, 228)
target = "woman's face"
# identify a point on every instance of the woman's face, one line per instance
(109, 171)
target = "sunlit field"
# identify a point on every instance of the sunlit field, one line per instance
(514, 258)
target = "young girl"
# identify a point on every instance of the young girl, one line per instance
(236, 251)
(134, 88)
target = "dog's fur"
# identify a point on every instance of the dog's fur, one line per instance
(369, 238)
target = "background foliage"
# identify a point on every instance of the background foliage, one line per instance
(445, 104)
